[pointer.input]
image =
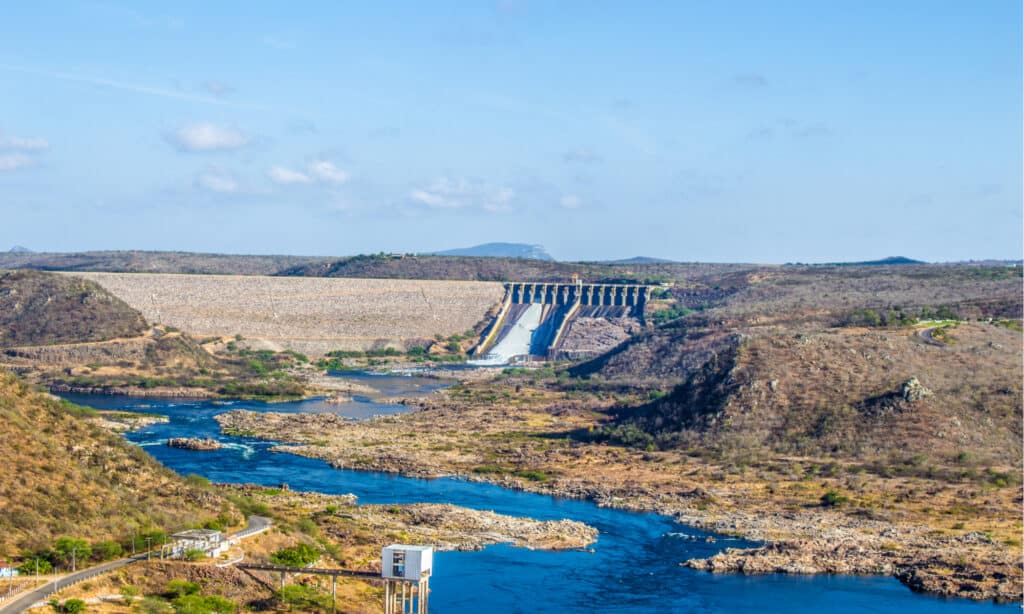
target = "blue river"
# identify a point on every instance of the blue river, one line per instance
(633, 567)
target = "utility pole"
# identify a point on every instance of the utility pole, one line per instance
(74, 549)
(37, 570)
(149, 548)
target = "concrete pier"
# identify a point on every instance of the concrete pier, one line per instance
(601, 295)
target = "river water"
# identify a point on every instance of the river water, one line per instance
(633, 567)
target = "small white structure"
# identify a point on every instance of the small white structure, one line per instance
(407, 571)
(401, 562)
(211, 542)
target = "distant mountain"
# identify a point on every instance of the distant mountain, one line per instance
(638, 260)
(501, 250)
(17, 249)
(883, 261)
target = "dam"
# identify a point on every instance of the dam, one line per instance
(535, 318)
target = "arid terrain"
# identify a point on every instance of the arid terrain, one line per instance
(857, 420)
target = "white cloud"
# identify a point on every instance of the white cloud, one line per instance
(286, 176)
(205, 136)
(327, 172)
(15, 143)
(216, 181)
(12, 162)
(571, 201)
(444, 193)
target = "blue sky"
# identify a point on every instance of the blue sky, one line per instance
(690, 130)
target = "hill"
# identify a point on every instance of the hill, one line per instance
(41, 309)
(830, 362)
(891, 260)
(67, 476)
(71, 334)
(638, 260)
(501, 250)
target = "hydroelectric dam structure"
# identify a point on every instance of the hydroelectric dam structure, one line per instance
(534, 317)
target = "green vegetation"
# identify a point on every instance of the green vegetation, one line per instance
(665, 315)
(898, 316)
(199, 604)
(181, 588)
(71, 606)
(299, 555)
(304, 598)
(833, 499)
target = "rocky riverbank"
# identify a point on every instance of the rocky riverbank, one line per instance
(869, 536)
(160, 392)
(123, 421)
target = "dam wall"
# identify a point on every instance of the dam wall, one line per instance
(312, 315)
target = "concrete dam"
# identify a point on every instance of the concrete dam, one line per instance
(535, 318)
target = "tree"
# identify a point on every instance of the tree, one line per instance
(70, 549)
(106, 550)
(28, 568)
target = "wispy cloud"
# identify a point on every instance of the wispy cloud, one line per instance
(207, 137)
(287, 176)
(218, 181)
(445, 193)
(327, 172)
(13, 162)
(317, 171)
(130, 87)
(17, 143)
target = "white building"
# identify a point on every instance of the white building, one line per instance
(401, 562)
(209, 541)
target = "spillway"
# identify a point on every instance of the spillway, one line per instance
(518, 339)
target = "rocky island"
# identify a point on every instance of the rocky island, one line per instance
(193, 443)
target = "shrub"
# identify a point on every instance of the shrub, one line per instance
(71, 606)
(181, 588)
(196, 604)
(194, 554)
(833, 499)
(303, 597)
(296, 556)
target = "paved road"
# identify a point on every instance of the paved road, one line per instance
(926, 334)
(256, 525)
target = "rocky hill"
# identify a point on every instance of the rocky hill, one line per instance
(919, 363)
(66, 476)
(71, 334)
(41, 309)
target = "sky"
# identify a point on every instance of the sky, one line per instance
(693, 130)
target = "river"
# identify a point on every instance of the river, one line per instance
(634, 566)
